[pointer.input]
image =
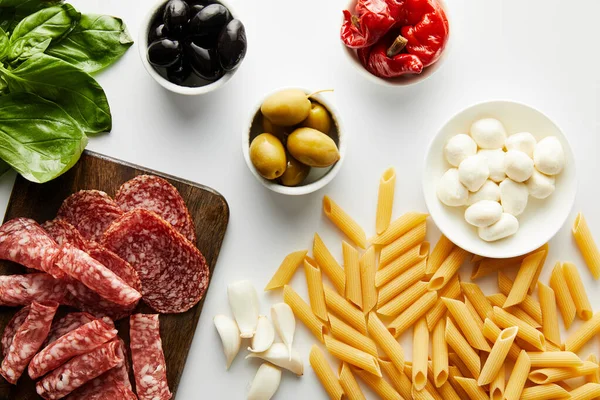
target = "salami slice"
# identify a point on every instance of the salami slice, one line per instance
(78, 371)
(103, 388)
(27, 340)
(120, 373)
(21, 290)
(68, 323)
(80, 266)
(116, 264)
(11, 328)
(79, 341)
(173, 272)
(24, 241)
(64, 233)
(82, 298)
(149, 368)
(149, 192)
(90, 211)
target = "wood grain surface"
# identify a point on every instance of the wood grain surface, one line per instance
(94, 171)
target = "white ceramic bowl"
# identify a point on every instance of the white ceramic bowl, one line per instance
(540, 221)
(318, 177)
(402, 80)
(143, 47)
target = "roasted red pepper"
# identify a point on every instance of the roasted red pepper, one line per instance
(371, 21)
(381, 61)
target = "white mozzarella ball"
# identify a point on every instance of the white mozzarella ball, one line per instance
(488, 133)
(507, 225)
(458, 148)
(522, 141)
(513, 196)
(483, 213)
(495, 160)
(450, 191)
(548, 156)
(540, 186)
(518, 165)
(473, 172)
(489, 191)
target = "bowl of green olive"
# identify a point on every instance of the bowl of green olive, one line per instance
(294, 143)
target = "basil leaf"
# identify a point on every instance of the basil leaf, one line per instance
(10, 16)
(37, 137)
(3, 44)
(74, 90)
(96, 42)
(35, 32)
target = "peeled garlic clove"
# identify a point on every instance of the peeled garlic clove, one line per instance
(285, 323)
(279, 355)
(264, 336)
(230, 336)
(244, 305)
(265, 383)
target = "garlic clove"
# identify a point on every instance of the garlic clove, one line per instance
(264, 336)
(285, 323)
(243, 301)
(265, 383)
(230, 336)
(279, 355)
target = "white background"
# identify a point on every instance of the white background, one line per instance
(544, 53)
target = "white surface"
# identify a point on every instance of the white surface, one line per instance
(540, 220)
(539, 52)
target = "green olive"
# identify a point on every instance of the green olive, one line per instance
(268, 156)
(313, 148)
(287, 107)
(278, 131)
(295, 172)
(318, 118)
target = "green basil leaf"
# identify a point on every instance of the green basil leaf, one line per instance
(95, 43)
(74, 90)
(35, 32)
(29, 5)
(3, 44)
(37, 137)
(10, 16)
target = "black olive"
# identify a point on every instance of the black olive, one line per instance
(210, 21)
(176, 16)
(164, 52)
(195, 9)
(204, 62)
(156, 33)
(179, 72)
(232, 44)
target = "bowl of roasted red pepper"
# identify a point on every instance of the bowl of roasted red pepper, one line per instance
(396, 42)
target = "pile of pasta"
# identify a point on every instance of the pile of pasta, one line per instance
(394, 283)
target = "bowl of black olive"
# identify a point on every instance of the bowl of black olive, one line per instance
(192, 47)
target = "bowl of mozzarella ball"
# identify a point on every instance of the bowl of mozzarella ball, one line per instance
(499, 179)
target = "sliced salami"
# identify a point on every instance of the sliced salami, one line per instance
(64, 233)
(68, 323)
(27, 340)
(81, 297)
(149, 192)
(90, 211)
(120, 373)
(78, 265)
(79, 341)
(24, 241)
(11, 328)
(116, 264)
(16, 290)
(149, 368)
(78, 371)
(173, 272)
(103, 388)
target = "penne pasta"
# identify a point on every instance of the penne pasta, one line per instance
(347, 334)
(563, 295)
(303, 312)
(343, 309)
(588, 391)
(402, 263)
(379, 385)
(401, 283)
(492, 332)
(385, 200)
(448, 269)
(530, 305)
(488, 266)
(594, 377)
(462, 348)
(472, 389)
(401, 245)
(453, 373)
(349, 384)
(545, 392)
(329, 265)
(430, 389)
(497, 385)
(384, 339)
(456, 362)
(544, 250)
(421, 395)
(467, 324)
(451, 291)
(518, 377)
(583, 334)
(497, 357)
(498, 299)
(352, 356)
(526, 332)
(398, 378)
(474, 294)
(524, 279)
(440, 252)
(420, 354)
(577, 290)
(367, 280)
(476, 258)
(399, 227)
(474, 314)
(314, 283)
(401, 302)
(587, 246)
(286, 270)
(352, 272)
(412, 314)
(439, 353)
(344, 222)
(325, 373)
(552, 347)
(550, 327)
(554, 374)
(446, 391)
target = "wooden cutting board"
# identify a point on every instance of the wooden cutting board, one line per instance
(94, 171)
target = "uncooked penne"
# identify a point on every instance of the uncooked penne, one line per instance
(398, 378)
(438, 311)
(344, 222)
(412, 314)
(448, 269)
(420, 354)
(401, 283)
(446, 390)
(474, 294)
(498, 299)
(349, 384)
(550, 391)
(402, 263)
(329, 265)
(462, 348)
(544, 251)
(401, 245)
(588, 391)
(497, 356)
(303, 312)
(401, 302)
(352, 271)
(595, 377)
(352, 356)
(399, 227)
(385, 200)
(368, 269)
(314, 283)
(456, 362)
(550, 375)
(379, 385)
(525, 276)
(440, 252)
(467, 324)
(497, 385)
(550, 327)
(453, 373)
(587, 246)
(347, 334)
(345, 310)
(518, 377)
(474, 314)
(472, 388)
(583, 306)
(384, 339)
(530, 305)
(439, 353)
(492, 332)
(583, 334)
(286, 270)
(563, 295)
(325, 373)
(526, 332)
(488, 266)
